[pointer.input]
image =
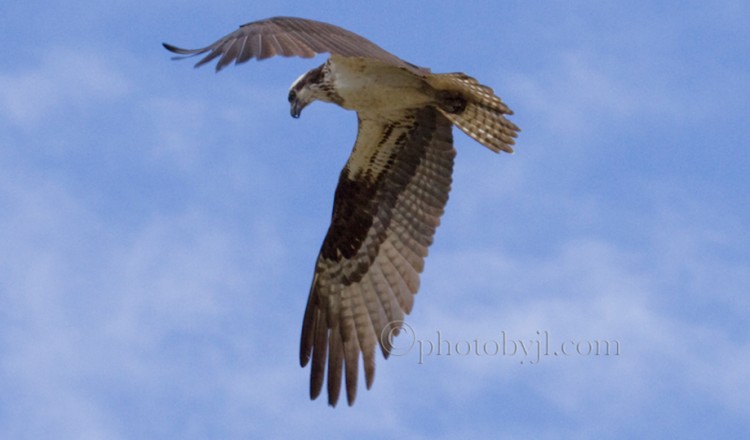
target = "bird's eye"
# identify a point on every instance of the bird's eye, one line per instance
(292, 95)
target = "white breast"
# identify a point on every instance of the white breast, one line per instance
(370, 85)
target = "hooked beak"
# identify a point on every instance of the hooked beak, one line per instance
(296, 108)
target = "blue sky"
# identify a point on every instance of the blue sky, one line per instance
(159, 225)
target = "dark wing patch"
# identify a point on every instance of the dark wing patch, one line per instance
(351, 218)
(388, 204)
(288, 36)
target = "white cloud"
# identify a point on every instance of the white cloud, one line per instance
(63, 80)
(579, 89)
(88, 304)
(587, 291)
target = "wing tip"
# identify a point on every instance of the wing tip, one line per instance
(170, 47)
(178, 50)
(185, 53)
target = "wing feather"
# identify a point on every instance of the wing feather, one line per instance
(384, 218)
(388, 300)
(385, 294)
(408, 253)
(350, 345)
(404, 292)
(406, 235)
(375, 309)
(335, 365)
(288, 36)
(253, 49)
(320, 338)
(365, 335)
(232, 49)
(413, 229)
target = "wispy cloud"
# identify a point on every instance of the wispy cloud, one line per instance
(62, 81)
(156, 263)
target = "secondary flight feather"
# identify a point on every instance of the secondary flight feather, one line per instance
(391, 192)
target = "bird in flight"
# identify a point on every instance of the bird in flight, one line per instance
(391, 192)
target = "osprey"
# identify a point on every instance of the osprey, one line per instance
(391, 192)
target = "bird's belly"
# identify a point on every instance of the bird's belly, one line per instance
(365, 84)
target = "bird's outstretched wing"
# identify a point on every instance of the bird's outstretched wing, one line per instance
(288, 36)
(387, 205)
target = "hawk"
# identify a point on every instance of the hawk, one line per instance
(391, 192)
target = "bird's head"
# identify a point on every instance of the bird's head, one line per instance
(309, 87)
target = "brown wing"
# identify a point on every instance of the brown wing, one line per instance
(387, 206)
(287, 36)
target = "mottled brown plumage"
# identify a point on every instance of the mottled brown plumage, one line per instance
(374, 286)
(392, 191)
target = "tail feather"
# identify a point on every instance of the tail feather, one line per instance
(483, 117)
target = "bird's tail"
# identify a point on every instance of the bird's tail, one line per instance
(476, 110)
